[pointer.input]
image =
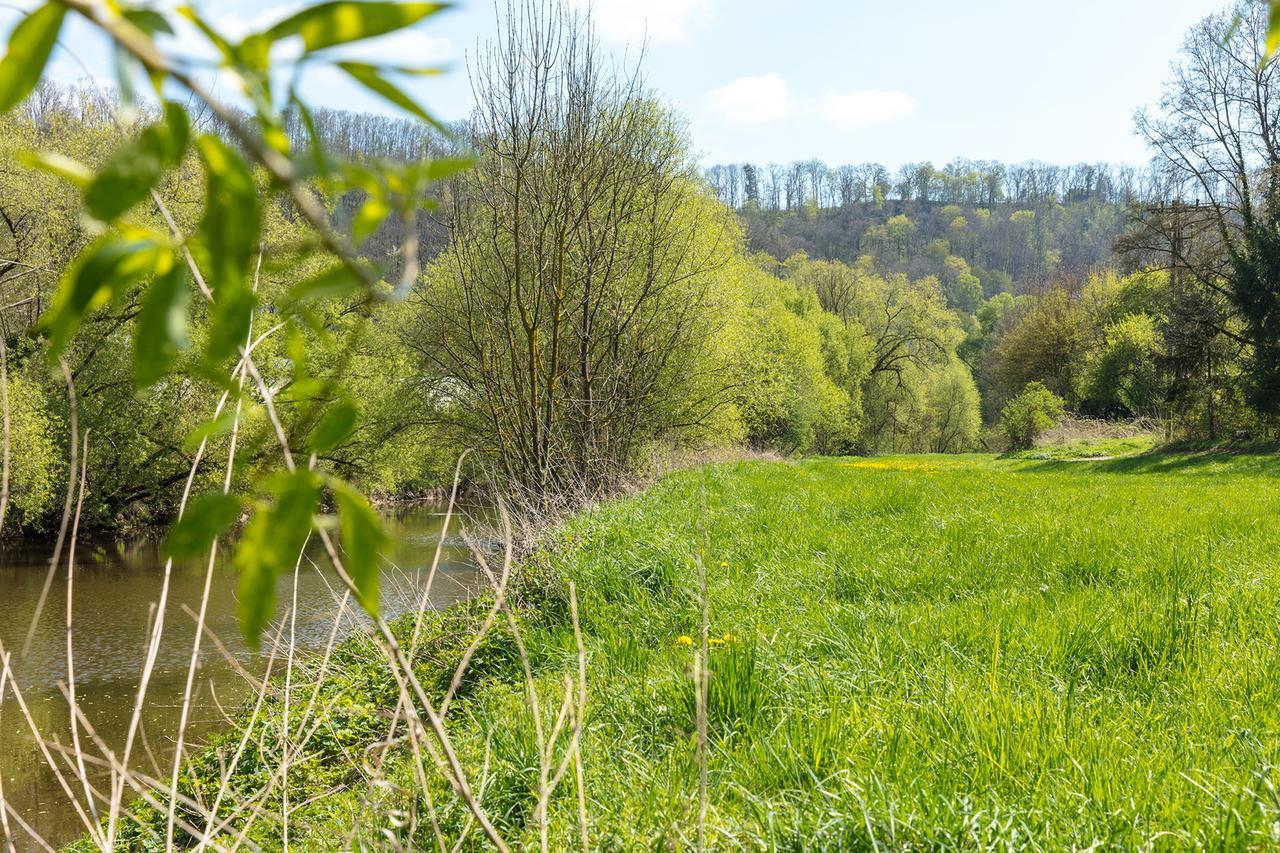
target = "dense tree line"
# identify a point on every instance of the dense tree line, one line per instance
(977, 183)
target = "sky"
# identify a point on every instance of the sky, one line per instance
(845, 81)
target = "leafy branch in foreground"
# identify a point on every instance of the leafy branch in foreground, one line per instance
(246, 159)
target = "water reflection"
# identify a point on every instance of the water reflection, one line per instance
(115, 589)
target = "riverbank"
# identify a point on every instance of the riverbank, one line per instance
(909, 651)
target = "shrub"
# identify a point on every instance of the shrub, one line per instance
(1027, 415)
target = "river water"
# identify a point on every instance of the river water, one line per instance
(115, 587)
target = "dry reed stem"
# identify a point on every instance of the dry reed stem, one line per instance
(457, 775)
(4, 803)
(71, 667)
(178, 755)
(66, 510)
(4, 438)
(40, 743)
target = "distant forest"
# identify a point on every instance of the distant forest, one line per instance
(980, 227)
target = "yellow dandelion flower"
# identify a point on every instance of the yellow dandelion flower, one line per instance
(684, 640)
(729, 638)
(716, 641)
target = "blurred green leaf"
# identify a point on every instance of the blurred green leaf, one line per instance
(338, 422)
(337, 281)
(444, 167)
(204, 520)
(271, 545)
(362, 541)
(344, 21)
(369, 218)
(58, 164)
(1273, 28)
(232, 222)
(179, 132)
(371, 78)
(232, 314)
(210, 429)
(131, 172)
(30, 44)
(161, 330)
(101, 273)
(149, 21)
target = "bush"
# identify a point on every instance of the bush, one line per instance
(1029, 414)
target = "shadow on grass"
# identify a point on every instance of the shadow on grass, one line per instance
(1256, 459)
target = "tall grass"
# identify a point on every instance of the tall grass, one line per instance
(891, 653)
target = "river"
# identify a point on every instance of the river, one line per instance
(116, 584)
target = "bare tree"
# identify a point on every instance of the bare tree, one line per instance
(1216, 134)
(563, 326)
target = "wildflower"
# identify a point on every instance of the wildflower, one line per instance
(724, 564)
(715, 641)
(729, 638)
(684, 640)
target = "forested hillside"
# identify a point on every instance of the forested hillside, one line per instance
(981, 228)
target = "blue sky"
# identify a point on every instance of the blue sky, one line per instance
(851, 81)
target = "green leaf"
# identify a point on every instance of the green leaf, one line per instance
(335, 282)
(362, 540)
(369, 218)
(232, 223)
(210, 429)
(371, 78)
(1273, 28)
(338, 422)
(58, 164)
(149, 21)
(271, 545)
(344, 21)
(29, 47)
(179, 132)
(444, 167)
(102, 272)
(205, 519)
(131, 172)
(318, 163)
(232, 314)
(161, 330)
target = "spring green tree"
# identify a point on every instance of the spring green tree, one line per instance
(1029, 414)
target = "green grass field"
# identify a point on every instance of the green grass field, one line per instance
(925, 652)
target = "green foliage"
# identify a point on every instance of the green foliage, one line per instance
(207, 517)
(1126, 375)
(337, 423)
(101, 275)
(1027, 415)
(37, 464)
(29, 47)
(161, 331)
(124, 304)
(132, 171)
(344, 21)
(272, 545)
(362, 540)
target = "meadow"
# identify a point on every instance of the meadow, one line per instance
(905, 652)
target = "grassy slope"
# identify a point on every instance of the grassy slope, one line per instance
(956, 651)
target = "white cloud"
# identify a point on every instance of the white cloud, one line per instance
(865, 108)
(657, 20)
(751, 100)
